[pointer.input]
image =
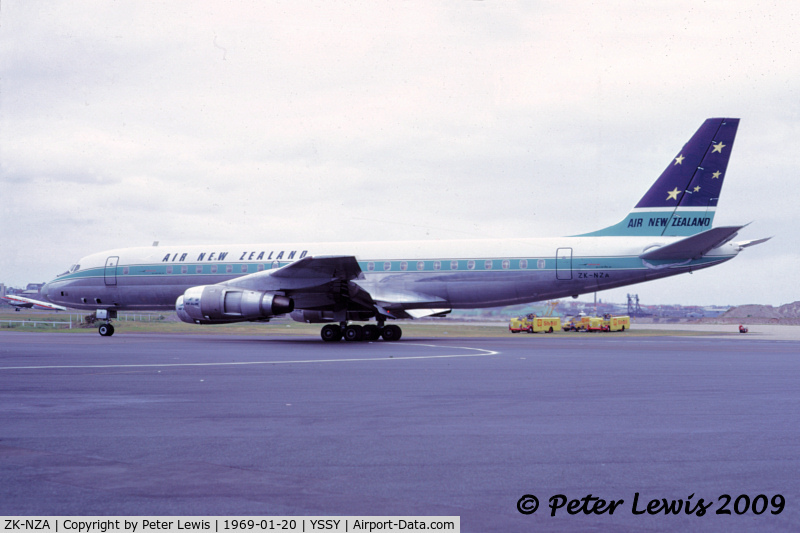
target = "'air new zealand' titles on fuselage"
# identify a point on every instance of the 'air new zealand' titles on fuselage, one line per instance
(667, 233)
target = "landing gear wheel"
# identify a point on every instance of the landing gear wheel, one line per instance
(370, 333)
(353, 333)
(105, 330)
(331, 333)
(391, 333)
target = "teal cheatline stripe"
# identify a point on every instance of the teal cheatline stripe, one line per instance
(532, 264)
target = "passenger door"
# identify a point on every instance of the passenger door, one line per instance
(111, 271)
(564, 263)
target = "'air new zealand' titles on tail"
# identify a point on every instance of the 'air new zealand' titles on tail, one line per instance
(669, 232)
(684, 198)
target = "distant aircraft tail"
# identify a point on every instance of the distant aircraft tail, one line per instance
(684, 198)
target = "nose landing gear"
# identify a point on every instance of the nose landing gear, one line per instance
(105, 329)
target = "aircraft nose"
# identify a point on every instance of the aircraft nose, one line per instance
(49, 292)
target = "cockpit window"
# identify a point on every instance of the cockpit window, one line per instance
(73, 268)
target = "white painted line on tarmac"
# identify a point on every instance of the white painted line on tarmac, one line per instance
(483, 353)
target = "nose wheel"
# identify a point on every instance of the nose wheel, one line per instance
(105, 330)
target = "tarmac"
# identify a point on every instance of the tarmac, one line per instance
(158, 424)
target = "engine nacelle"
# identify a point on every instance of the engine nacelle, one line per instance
(220, 304)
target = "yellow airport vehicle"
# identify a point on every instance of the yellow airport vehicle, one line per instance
(534, 324)
(609, 323)
(620, 323)
(577, 323)
(546, 324)
(521, 323)
(597, 323)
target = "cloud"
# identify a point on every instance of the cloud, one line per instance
(126, 123)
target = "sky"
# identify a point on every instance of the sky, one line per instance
(124, 123)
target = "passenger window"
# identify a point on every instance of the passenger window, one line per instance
(523, 263)
(387, 265)
(453, 265)
(470, 265)
(506, 264)
(487, 265)
(437, 265)
(420, 265)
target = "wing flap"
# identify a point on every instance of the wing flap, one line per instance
(396, 298)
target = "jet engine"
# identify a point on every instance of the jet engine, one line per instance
(220, 304)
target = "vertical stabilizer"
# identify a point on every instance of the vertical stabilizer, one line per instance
(684, 198)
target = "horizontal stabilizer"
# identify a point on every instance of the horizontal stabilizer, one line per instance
(694, 246)
(746, 244)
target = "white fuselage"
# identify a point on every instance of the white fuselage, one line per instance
(457, 273)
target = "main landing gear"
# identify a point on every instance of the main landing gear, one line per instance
(353, 332)
(106, 330)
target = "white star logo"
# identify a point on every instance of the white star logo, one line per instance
(679, 160)
(716, 175)
(673, 195)
(696, 189)
(718, 147)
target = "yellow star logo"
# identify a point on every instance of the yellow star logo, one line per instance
(716, 175)
(696, 189)
(679, 160)
(718, 147)
(673, 195)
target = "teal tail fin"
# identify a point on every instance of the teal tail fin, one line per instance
(684, 198)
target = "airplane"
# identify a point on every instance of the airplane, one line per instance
(668, 232)
(22, 302)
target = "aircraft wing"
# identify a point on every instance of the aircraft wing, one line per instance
(694, 246)
(338, 282)
(22, 301)
(305, 273)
